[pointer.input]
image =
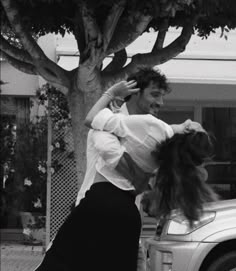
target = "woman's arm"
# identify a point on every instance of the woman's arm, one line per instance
(132, 172)
(115, 157)
(121, 89)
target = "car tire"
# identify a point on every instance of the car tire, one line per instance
(226, 262)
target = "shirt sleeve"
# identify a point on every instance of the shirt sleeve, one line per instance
(131, 126)
(111, 122)
(108, 147)
(165, 128)
(161, 130)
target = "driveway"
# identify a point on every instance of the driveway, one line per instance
(19, 257)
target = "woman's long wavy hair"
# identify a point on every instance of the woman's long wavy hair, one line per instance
(179, 184)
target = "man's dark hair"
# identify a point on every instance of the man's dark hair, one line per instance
(145, 76)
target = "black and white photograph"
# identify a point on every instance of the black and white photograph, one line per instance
(118, 135)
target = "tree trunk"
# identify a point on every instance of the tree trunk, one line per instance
(80, 101)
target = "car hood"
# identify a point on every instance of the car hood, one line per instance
(219, 205)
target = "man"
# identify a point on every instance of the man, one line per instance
(107, 222)
(153, 86)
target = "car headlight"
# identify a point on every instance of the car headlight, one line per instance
(179, 225)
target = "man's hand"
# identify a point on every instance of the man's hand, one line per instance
(190, 126)
(123, 89)
(187, 127)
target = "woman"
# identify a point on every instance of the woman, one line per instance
(180, 155)
(102, 232)
(180, 182)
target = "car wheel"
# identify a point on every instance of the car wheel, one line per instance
(226, 262)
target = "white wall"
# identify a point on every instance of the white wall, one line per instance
(18, 83)
(22, 84)
(202, 93)
(48, 44)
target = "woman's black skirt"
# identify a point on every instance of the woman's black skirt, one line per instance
(102, 233)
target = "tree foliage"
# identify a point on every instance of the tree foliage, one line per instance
(58, 16)
(105, 27)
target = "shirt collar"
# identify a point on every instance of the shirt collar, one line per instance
(124, 109)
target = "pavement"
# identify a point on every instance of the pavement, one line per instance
(20, 257)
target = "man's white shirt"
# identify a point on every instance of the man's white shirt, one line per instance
(100, 144)
(104, 150)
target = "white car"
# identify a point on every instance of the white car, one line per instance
(210, 245)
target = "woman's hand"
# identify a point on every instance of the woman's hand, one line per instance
(122, 89)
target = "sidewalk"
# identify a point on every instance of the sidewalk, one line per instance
(19, 257)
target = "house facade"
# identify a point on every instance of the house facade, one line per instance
(203, 83)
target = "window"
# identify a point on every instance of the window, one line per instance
(176, 114)
(222, 171)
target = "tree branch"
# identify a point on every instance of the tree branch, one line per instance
(40, 60)
(128, 30)
(16, 53)
(155, 58)
(20, 65)
(19, 58)
(93, 36)
(92, 31)
(49, 75)
(161, 36)
(61, 75)
(30, 69)
(15, 20)
(79, 32)
(111, 22)
(162, 55)
(117, 62)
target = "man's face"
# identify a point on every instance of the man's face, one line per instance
(150, 100)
